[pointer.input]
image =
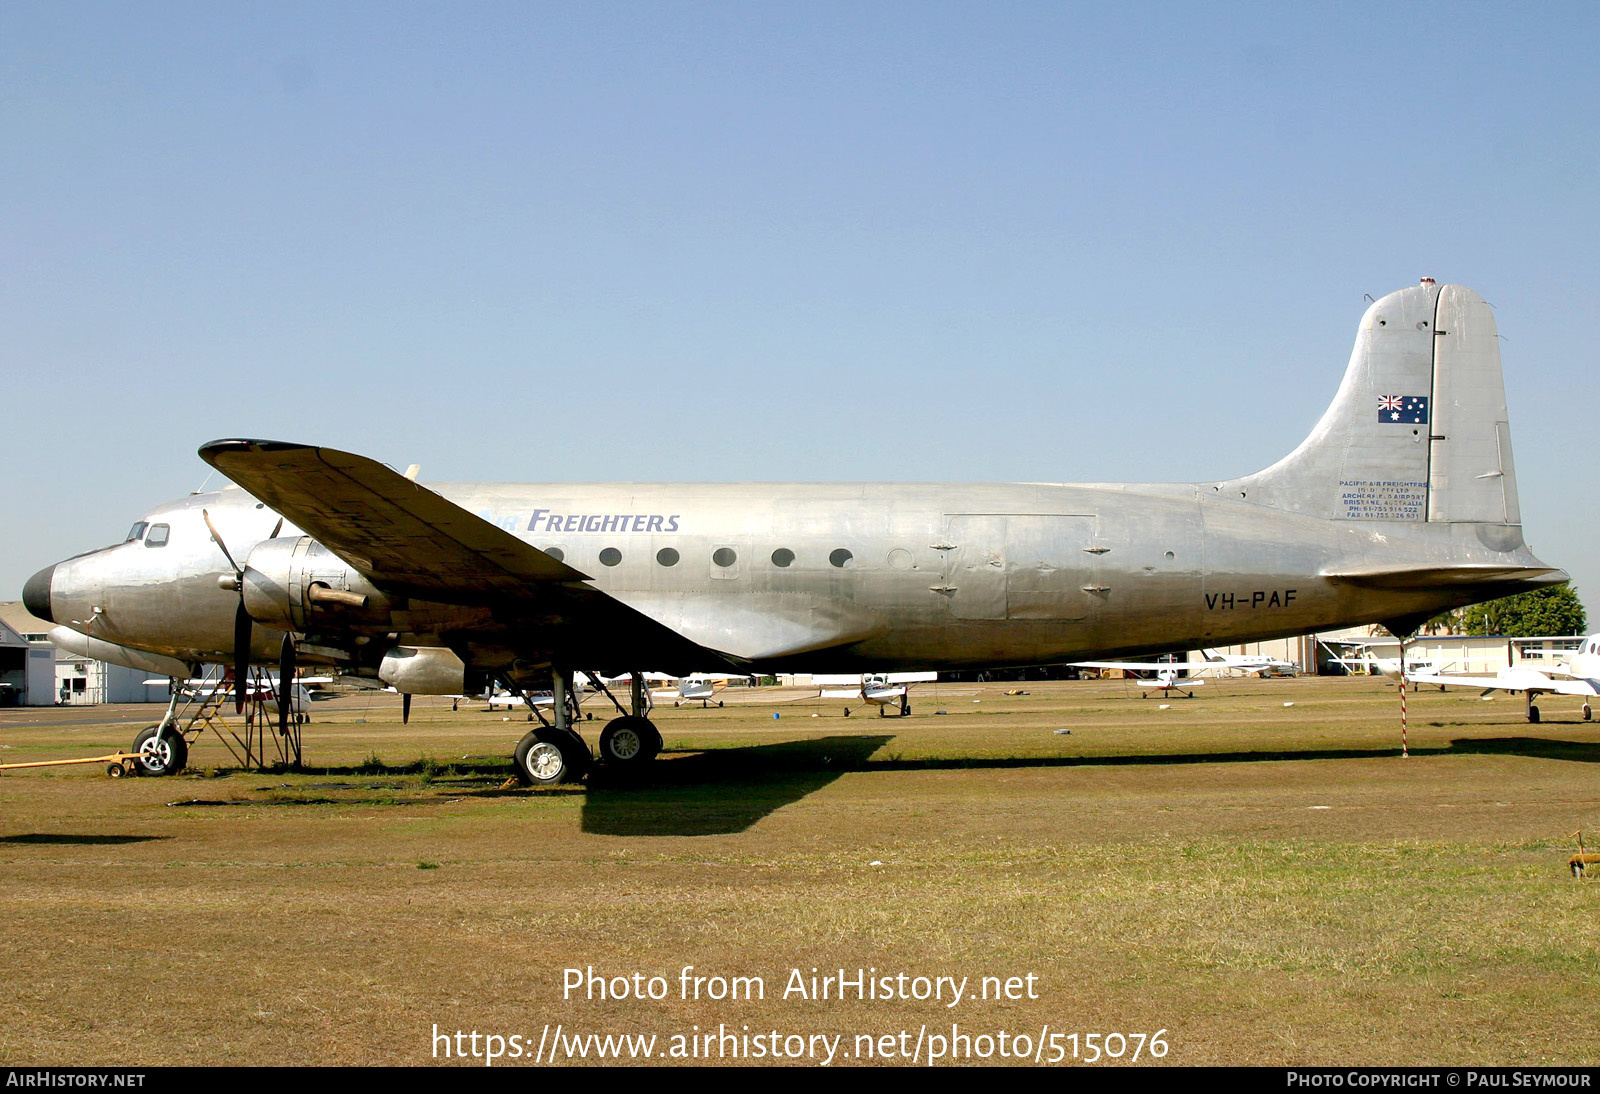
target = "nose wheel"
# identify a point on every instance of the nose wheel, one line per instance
(161, 755)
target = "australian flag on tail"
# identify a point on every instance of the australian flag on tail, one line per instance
(1409, 409)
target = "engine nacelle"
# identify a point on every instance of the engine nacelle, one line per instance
(429, 670)
(300, 585)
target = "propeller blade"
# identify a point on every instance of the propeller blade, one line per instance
(276, 528)
(405, 707)
(216, 537)
(242, 624)
(285, 683)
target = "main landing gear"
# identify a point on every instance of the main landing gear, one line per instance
(550, 755)
(1533, 708)
(555, 753)
(629, 740)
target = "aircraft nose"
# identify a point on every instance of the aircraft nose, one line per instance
(36, 594)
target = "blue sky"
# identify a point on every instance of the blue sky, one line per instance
(770, 241)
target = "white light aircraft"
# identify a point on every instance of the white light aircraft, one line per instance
(882, 689)
(1248, 663)
(1166, 678)
(1388, 667)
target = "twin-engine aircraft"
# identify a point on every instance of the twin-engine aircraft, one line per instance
(1401, 503)
(1576, 673)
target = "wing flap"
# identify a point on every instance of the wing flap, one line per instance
(1514, 679)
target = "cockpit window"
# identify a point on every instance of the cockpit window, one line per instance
(157, 535)
(137, 531)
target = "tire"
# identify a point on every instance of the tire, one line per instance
(548, 757)
(1588, 712)
(167, 757)
(628, 741)
(1533, 715)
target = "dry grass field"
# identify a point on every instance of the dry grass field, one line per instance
(1267, 883)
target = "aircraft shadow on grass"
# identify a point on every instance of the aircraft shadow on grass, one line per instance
(723, 790)
(74, 839)
(728, 790)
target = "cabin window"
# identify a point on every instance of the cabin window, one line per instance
(157, 535)
(840, 557)
(724, 557)
(610, 556)
(136, 532)
(667, 556)
(783, 557)
(555, 552)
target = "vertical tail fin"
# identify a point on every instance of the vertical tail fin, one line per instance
(1418, 430)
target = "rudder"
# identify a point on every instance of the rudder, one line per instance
(1471, 477)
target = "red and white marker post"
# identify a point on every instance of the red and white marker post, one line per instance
(1404, 747)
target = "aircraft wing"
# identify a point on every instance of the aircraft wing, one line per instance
(406, 538)
(1511, 680)
(859, 679)
(1149, 666)
(875, 695)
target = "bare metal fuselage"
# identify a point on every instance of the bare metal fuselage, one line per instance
(855, 576)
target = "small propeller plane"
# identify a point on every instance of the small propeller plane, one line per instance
(697, 687)
(1251, 664)
(1400, 504)
(1387, 667)
(1167, 672)
(1167, 678)
(882, 689)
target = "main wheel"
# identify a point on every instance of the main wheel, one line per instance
(1588, 712)
(160, 757)
(545, 757)
(629, 740)
(1533, 714)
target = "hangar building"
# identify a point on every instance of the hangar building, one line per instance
(41, 675)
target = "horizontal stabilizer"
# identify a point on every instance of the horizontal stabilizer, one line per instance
(1427, 577)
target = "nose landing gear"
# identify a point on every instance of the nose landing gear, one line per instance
(162, 751)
